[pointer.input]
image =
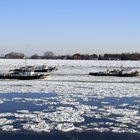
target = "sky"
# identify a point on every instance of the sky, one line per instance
(69, 26)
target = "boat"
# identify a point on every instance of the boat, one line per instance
(40, 69)
(23, 74)
(44, 68)
(21, 77)
(28, 72)
(116, 72)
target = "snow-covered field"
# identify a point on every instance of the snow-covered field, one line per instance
(71, 100)
(72, 77)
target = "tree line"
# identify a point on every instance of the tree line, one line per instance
(76, 56)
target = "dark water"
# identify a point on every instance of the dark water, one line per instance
(19, 101)
(41, 101)
(70, 136)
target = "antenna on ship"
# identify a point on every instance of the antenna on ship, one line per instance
(25, 64)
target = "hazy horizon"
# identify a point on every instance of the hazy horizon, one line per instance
(67, 27)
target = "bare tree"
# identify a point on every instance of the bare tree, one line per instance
(48, 55)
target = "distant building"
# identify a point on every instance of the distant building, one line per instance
(14, 55)
(77, 56)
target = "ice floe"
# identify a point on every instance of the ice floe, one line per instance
(28, 116)
(65, 127)
(9, 128)
(64, 116)
(1, 101)
(101, 129)
(4, 121)
(23, 111)
(38, 127)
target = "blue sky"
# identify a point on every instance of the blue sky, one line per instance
(69, 26)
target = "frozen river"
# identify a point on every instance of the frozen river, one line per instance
(71, 100)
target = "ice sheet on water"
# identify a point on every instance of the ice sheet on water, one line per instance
(4, 121)
(9, 128)
(25, 116)
(76, 112)
(101, 129)
(74, 89)
(7, 114)
(123, 105)
(1, 101)
(23, 111)
(65, 127)
(62, 81)
(64, 116)
(125, 112)
(99, 90)
(41, 126)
